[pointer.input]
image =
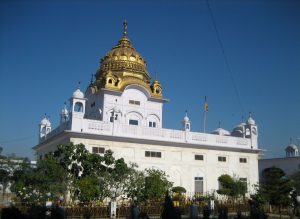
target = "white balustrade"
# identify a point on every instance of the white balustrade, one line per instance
(168, 135)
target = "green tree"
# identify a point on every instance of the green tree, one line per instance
(231, 187)
(50, 177)
(108, 173)
(6, 170)
(295, 177)
(135, 184)
(47, 180)
(156, 184)
(257, 203)
(88, 189)
(23, 182)
(276, 187)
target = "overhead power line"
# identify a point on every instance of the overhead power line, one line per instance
(225, 57)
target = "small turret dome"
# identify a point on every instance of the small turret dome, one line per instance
(250, 120)
(292, 151)
(64, 111)
(220, 131)
(240, 127)
(291, 147)
(186, 118)
(78, 94)
(45, 122)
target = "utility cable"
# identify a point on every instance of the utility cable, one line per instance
(225, 57)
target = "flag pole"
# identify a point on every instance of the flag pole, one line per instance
(204, 121)
(205, 111)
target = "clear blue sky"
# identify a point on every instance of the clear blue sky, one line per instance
(46, 47)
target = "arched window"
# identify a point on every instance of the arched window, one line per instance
(78, 107)
(44, 130)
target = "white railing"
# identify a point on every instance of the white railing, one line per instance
(167, 135)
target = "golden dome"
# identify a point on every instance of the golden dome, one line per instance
(123, 66)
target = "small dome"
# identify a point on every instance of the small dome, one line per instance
(250, 121)
(239, 128)
(78, 94)
(186, 118)
(64, 111)
(291, 147)
(220, 131)
(45, 122)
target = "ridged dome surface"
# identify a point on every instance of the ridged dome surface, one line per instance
(123, 66)
(124, 57)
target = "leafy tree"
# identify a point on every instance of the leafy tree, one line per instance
(295, 177)
(231, 187)
(156, 184)
(276, 187)
(6, 170)
(88, 189)
(135, 184)
(108, 173)
(47, 180)
(23, 182)
(50, 176)
(257, 203)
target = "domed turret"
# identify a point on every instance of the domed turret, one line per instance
(123, 66)
(239, 130)
(250, 120)
(64, 115)
(78, 94)
(45, 122)
(186, 122)
(291, 150)
(44, 127)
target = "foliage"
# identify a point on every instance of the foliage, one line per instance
(6, 169)
(47, 180)
(156, 184)
(276, 187)
(88, 189)
(50, 176)
(231, 187)
(135, 184)
(77, 160)
(257, 203)
(112, 176)
(178, 189)
(114, 179)
(178, 193)
(295, 177)
(86, 176)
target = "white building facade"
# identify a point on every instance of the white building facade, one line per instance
(122, 111)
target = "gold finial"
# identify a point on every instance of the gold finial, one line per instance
(125, 28)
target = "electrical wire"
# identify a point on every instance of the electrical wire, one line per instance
(225, 57)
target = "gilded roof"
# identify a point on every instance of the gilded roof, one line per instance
(122, 66)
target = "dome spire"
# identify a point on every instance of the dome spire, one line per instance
(125, 28)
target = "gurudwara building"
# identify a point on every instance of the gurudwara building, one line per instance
(122, 111)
